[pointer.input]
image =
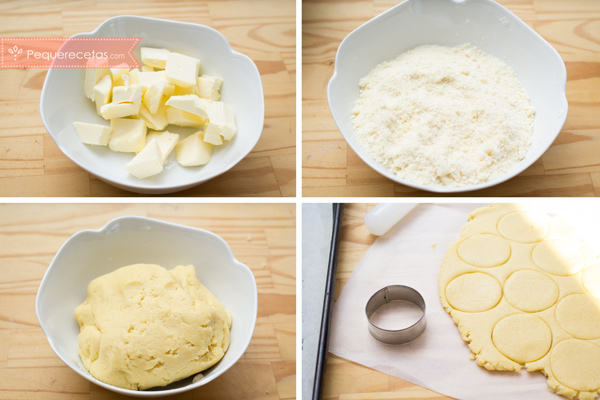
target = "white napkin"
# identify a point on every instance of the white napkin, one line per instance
(411, 254)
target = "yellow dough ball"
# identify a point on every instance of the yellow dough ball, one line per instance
(142, 326)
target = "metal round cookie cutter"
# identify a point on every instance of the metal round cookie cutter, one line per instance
(392, 293)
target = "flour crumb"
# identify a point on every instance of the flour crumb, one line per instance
(433, 246)
(249, 238)
(444, 116)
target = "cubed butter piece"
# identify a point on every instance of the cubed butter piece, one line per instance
(129, 135)
(133, 76)
(127, 94)
(154, 57)
(181, 91)
(208, 87)
(189, 103)
(157, 120)
(182, 70)
(92, 76)
(193, 151)
(117, 73)
(93, 133)
(153, 96)
(102, 92)
(169, 89)
(179, 117)
(166, 142)
(147, 68)
(220, 118)
(146, 79)
(213, 138)
(148, 162)
(119, 110)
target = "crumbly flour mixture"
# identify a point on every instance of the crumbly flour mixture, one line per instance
(444, 116)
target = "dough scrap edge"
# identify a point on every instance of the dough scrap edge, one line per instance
(556, 387)
(505, 364)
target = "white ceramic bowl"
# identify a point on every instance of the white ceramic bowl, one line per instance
(482, 23)
(63, 102)
(131, 240)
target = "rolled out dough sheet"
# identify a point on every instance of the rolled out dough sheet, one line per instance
(412, 254)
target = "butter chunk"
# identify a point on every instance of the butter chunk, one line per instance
(181, 91)
(117, 73)
(92, 133)
(92, 76)
(169, 89)
(147, 68)
(213, 138)
(153, 95)
(189, 103)
(119, 110)
(166, 142)
(127, 94)
(154, 57)
(208, 87)
(147, 162)
(179, 117)
(221, 119)
(146, 79)
(158, 120)
(102, 92)
(142, 326)
(129, 135)
(193, 151)
(133, 76)
(182, 70)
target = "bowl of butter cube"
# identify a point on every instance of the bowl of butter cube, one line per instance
(192, 111)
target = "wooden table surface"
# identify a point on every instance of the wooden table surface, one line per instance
(571, 167)
(262, 236)
(344, 379)
(32, 165)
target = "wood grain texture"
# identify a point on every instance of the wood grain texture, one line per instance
(571, 167)
(32, 165)
(344, 379)
(261, 236)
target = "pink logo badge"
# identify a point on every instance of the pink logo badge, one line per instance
(76, 52)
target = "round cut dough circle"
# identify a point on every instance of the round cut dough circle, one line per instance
(523, 226)
(473, 292)
(579, 315)
(590, 278)
(530, 291)
(574, 363)
(484, 250)
(558, 257)
(522, 337)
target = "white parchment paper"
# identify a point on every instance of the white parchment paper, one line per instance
(411, 254)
